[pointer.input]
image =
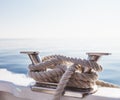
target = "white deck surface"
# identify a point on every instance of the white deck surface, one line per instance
(10, 91)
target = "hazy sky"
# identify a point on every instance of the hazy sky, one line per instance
(91, 19)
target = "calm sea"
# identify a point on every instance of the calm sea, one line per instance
(12, 61)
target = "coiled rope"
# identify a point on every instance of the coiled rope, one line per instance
(66, 71)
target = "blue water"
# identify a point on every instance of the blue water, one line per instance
(13, 61)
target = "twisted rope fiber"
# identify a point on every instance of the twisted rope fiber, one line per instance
(66, 71)
(63, 82)
(83, 63)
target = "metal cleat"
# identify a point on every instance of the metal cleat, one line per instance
(33, 55)
(95, 56)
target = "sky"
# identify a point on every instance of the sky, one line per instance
(76, 19)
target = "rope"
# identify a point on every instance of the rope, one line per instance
(63, 82)
(66, 71)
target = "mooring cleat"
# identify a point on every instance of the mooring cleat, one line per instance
(33, 55)
(94, 56)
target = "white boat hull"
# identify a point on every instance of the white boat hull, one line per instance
(10, 91)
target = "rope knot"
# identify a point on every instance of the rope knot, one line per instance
(66, 72)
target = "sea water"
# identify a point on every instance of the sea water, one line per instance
(15, 65)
